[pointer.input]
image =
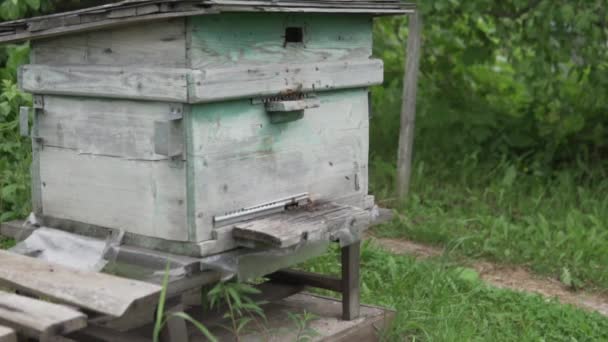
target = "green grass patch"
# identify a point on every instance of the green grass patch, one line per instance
(554, 222)
(438, 301)
(6, 243)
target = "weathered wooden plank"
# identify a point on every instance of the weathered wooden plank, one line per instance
(251, 81)
(93, 291)
(7, 334)
(351, 292)
(119, 128)
(408, 106)
(137, 196)
(128, 12)
(261, 39)
(18, 33)
(36, 318)
(206, 86)
(159, 44)
(156, 84)
(241, 159)
(307, 224)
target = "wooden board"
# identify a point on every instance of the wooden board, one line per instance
(327, 325)
(260, 39)
(157, 84)
(37, 318)
(290, 228)
(158, 44)
(116, 128)
(129, 12)
(93, 291)
(253, 81)
(7, 334)
(137, 196)
(208, 85)
(238, 159)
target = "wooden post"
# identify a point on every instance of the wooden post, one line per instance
(350, 281)
(408, 105)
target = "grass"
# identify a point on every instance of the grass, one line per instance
(6, 243)
(439, 301)
(555, 222)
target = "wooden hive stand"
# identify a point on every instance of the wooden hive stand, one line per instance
(57, 303)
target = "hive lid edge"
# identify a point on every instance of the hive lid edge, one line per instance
(132, 11)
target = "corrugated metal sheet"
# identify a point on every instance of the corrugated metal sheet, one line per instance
(147, 10)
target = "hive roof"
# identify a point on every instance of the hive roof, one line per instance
(132, 11)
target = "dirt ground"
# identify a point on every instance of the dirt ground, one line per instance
(509, 277)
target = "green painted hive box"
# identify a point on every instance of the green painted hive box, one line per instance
(175, 120)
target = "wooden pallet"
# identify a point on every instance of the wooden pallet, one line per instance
(50, 302)
(58, 303)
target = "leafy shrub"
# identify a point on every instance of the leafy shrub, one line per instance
(501, 77)
(15, 156)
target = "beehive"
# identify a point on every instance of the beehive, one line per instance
(166, 119)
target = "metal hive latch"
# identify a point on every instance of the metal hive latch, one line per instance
(260, 210)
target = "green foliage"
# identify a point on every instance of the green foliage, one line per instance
(6, 243)
(302, 322)
(506, 77)
(15, 153)
(242, 310)
(436, 301)
(162, 318)
(512, 212)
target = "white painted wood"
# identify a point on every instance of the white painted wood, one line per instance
(94, 291)
(141, 197)
(408, 105)
(260, 39)
(206, 85)
(109, 15)
(156, 84)
(251, 81)
(88, 25)
(7, 334)
(161, 43)
(239, 159)
(119, 128)
(292, 105)
(37, 318)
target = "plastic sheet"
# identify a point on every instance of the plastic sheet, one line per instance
(59, 247)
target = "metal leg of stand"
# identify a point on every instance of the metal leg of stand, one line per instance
(350, 281)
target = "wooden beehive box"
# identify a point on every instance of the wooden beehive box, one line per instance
(163, 118)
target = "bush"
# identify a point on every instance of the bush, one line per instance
(508, 77)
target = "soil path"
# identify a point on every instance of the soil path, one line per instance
(508, 277)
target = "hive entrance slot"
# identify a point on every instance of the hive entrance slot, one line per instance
(294, 35)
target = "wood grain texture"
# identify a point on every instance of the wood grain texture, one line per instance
(130, 12)
(239, 159)
(408, 105)
(259, 39)
(141, 197)
(93, 291)
(159, 44)
(117, 128)
(291, 228)
(38, 319)
(7, 334)
(155, 84)
(252, 81)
